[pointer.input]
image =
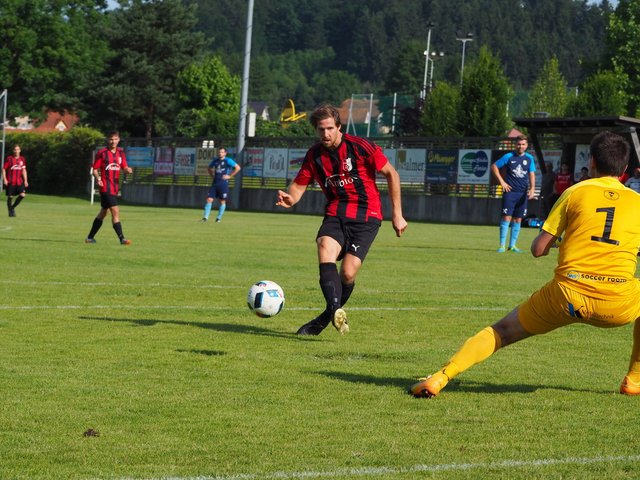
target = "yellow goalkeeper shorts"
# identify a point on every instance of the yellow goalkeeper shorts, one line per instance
(556, 305)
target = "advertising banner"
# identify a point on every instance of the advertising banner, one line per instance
(441, 166)
(253, 164)
(296, 157)
(203, 159)
(410, 164)
(163, 164)
(275, 163)
(473, 167)
(582, 160)
(139, 156)
(185, 161)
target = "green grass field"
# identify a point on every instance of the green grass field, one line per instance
(152, 347)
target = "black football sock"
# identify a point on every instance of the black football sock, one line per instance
(17, 202)
(118, 228)
(9, 203)
(331, 285)
(346, 292)
(97, 223)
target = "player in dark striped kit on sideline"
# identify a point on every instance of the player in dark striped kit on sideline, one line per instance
(14, 177)
(345, 167)
(106, 169)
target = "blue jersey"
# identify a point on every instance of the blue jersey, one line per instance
(518, 168)
(222, 167)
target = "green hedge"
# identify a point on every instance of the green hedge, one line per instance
(57, 163)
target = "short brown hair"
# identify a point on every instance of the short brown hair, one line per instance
(610, 153)
(322, 111)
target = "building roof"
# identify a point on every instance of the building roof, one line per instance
(55, 122)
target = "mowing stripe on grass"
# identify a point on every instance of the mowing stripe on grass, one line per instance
(375, 471)
(209, 307)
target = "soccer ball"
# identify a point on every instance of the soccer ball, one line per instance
(265, 298)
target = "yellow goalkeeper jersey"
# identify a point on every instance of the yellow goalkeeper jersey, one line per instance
(599, 222)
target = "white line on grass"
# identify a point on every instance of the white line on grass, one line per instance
(375, 471)
(209, 307)
(108, 284)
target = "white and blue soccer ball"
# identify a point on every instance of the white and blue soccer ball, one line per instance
(265, 298)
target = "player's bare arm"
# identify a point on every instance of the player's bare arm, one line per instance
(532, 185)
(542, 243)
(393, 181)
(496, 173)
(293, 194)
(236, 169)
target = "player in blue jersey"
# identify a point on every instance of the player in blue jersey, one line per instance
(221, 170)
(518, 186)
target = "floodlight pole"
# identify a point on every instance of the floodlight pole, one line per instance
(423, 94)
(464, 40)
(242, 122)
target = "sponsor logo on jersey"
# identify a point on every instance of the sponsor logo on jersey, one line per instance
(611, 195)
(112, 166)
(339, 180)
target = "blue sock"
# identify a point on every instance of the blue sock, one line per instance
(221, 209)
(504, 228)
(207, 210)
(515, 231)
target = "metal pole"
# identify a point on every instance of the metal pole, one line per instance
(242, 122)
(464, 45)
(3, 96)
(468, 38)
(370, 115)
(426, 64)
(431, 74)
(393, 115)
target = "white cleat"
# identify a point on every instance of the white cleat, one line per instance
(340, 321)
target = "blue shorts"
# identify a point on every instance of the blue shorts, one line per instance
(219, 191)
(514, 204)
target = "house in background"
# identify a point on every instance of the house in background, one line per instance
(55, 122)
(261, 109)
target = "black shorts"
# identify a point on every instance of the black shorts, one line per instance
(13, 190)
(108, 201)
(354, 237)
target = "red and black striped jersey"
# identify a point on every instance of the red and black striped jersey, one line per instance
(14, 166)
(109, 164)
(347, 176)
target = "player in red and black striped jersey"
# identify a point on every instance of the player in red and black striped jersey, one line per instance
(345, 167)
(14, 177)
(106, 169)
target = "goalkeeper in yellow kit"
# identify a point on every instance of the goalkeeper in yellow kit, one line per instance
(594, 282)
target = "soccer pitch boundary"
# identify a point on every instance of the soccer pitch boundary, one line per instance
(376, 471)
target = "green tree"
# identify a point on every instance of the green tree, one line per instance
(209, 84)
(484, 96)
(49, 53)
(152, 42)
(441, 114)
(601, 94)
(549, 92)
(407, 70)
(623, 41)
(210, 99)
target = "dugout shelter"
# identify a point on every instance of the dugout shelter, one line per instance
(576, 132)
